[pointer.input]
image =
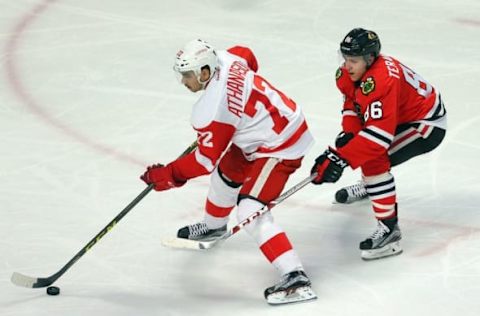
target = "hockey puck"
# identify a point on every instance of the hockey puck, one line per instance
(341, 196)
(53, 290)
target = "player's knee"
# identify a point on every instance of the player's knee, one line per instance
(227, 180)
(246, 208)
(220, 192)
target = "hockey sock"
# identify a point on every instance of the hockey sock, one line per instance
(272, 240)
(220, 202)
(381, 191)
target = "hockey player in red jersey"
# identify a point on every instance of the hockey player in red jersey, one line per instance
(390, 114)
(251, 137)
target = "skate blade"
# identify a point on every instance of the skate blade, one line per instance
(182, 243)
(301, 294)
(393, 249)
(350, 201)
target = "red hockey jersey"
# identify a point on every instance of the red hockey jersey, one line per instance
(388, 94)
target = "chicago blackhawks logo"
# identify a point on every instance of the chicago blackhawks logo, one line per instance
(368, 85)
(338, 74)
(372, 36)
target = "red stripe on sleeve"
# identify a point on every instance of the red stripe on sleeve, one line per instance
(187, 167)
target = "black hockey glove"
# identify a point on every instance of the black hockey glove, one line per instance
(343, 139)
(328, 166)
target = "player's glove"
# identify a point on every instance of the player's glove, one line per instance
(343, 139)
(162, 177)
(328, 166)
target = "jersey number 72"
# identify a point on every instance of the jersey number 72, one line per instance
(260, 94)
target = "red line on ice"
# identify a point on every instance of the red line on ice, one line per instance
(15, 80)
(469, 22)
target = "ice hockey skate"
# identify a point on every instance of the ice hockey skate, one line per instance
(196, 236)
(352, 193)
(384, 242)
(200, 231)
(293, 287)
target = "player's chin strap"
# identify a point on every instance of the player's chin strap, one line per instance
(370, 59)
(205, 83)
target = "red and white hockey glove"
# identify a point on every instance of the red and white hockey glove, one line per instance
(162, 177)
(328, 166)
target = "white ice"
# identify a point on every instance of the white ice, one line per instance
(88, 99)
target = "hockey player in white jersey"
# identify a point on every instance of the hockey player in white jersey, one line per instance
(251, 137)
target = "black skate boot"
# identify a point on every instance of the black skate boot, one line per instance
(352, 193)
(201, 232)
(384, 242)
(293, 287)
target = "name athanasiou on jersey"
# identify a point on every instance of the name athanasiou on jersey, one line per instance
(240, 107)
(389, 94)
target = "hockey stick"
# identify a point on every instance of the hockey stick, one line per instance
(195, 244)
(32, 282)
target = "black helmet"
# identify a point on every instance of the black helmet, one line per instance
(360, 42)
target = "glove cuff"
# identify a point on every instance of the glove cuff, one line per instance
(178, 181)
(335, 157)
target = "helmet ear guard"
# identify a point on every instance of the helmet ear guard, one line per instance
(361, 42)
(196, 55)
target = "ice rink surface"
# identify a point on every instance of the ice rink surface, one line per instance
(88, 98)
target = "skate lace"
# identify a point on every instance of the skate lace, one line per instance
(357, 190)
(287, 280)
(198, 229)
(382, 229)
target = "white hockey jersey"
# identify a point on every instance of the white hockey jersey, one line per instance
(238, 106)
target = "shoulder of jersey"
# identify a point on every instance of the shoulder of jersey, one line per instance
(376, 80)
(209, 106)
(205, 110)
(343, 81)
(340, 74)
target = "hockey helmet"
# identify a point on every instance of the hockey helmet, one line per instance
(194, 56)
(360, 42)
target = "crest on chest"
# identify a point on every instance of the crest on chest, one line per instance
(367, 86)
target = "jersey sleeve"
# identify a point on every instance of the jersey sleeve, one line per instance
(375, 137)
(351, 122)
(212, 141)
(247, 54)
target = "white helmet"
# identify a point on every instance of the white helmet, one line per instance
(195, 55)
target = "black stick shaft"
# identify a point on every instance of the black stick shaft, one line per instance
(42, 282)
(99, 236)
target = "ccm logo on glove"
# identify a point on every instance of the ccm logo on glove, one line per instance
(328, 167)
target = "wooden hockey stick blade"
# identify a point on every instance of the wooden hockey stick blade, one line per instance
(22, 280)
(182, 243)
(30, 282)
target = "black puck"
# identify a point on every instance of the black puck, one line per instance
(341, 196)
(53, 290)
